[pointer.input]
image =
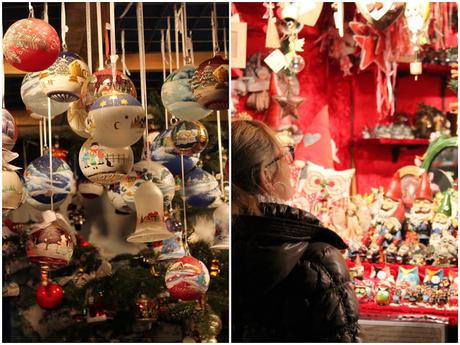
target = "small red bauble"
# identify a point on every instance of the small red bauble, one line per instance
(49, 296)
(31, 45)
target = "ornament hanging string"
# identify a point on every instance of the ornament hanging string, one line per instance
(113, 46)
(64, 27)
(225, 44)
(45, 140)
(143, 76)
(184, 204)
(99, 36)
(40, 126)
(31, 10)
(163, 58)
(215, 45)
(176, 34)
(88, 37)
(190, 42)
(123, 54)
(168, 44)
(185, 39)
(45, 13)
(50, 153)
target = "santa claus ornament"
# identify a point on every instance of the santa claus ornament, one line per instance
(31, 45)
(187, 279)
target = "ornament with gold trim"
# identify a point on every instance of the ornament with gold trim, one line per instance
(62, 81)
(189, 137)
(116, 120)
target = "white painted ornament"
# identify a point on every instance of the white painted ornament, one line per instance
(76, 117)
(35, 99)
(150, 226)
(158, 174)
(116, 120)
(62, 82)
(9, 130)
(221, 222)
(12, 191)
(104, 165)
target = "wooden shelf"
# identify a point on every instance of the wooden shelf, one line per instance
(442, 70)
(395, 144)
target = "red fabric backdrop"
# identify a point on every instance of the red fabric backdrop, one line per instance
(351, 100)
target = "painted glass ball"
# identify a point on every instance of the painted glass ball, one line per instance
(31, 45)
(52, 245)
(158, 174)
(128, 186)
(189, 137)
(187, 278)
(164, 152)
(12, 190)
(116, 120)
(9, 130)
(201, 188)
(38, 184)
(177, 97)
(104, 165)
(210, 83)
(117, 201)
(171, 248)
(100, 84)
(76, 117)
(62, 81)
(35, 99)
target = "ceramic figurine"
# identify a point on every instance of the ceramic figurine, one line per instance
(421, 211)
(382, 295)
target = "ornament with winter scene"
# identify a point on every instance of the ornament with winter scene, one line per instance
(164, 152)
(158, 174)
(39, 187)
(35, 99)
(9, 130)
(104, 165)
(187, 278)
(177, 97)
(171, 248)
(116, 120)
(12, 191)
(201, 188)
(189, 137)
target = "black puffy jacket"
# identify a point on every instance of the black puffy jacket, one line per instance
(290, 283)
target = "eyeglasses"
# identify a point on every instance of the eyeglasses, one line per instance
(289, 150)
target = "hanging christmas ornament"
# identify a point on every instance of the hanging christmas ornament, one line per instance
(90, 190)
(31, 45)
(380, 14)
(210, 83)
(177, 97)
(49, 296)
(146, 152)
(12, 191)
(9, 130)
(221, 221)
(201, 188)
(35, 99)
(150, 225)
(272, 38)
(187, 279)
(39, 187)
(116, 120)
(189, 137)
(62, 81)
(128, 187)
(164, 152)
(76, 117)
(117, 201)
(100, 84)
(158, 174)
(104, 165)
(171, 248)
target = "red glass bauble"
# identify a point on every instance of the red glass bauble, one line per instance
(49, 296)
(31, 45)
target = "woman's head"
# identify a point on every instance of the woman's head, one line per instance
(260, 166)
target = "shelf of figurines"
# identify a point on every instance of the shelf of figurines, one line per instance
(402, 291)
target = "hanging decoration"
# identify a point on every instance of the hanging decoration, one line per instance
(103, 164)
(380, 15)
(164, 152)
(150, 224)
(189, 137)
(210, 83)
(35, 99)
(116, 120)
(76, 118)
(187, 279)
(41, 191)
(171, 248)
(201, 188)
(12, 191)
(177, 96)
(31, 44)
(9, 130)
(272, 38)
